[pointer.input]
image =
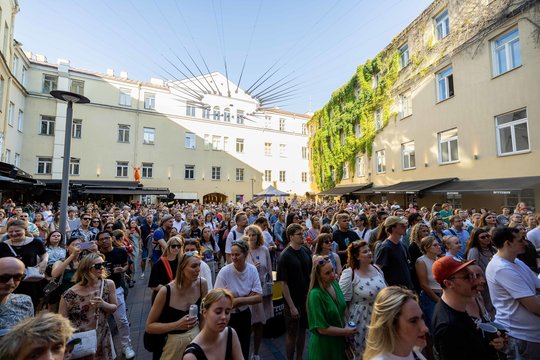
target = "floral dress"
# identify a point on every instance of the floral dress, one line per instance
(82, 317)
(360, 293)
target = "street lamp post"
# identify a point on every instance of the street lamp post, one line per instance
(70, 98)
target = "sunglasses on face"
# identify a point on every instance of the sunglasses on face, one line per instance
(86, 219)
(176, 246)
(99, 266)
(326, 241)
(4, 278)
(484, 236)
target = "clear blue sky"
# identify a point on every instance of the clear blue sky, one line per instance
(317, 44)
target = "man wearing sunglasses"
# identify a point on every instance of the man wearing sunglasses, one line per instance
(13, 307)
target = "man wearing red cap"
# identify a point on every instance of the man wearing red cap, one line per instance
(455, 335)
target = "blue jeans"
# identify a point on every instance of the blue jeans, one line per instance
(428, 307)
(522, 350)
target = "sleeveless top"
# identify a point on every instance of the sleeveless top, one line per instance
(196, 350)
(170, 314)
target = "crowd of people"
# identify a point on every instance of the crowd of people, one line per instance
(366, 281)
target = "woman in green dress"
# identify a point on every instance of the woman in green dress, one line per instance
(326, 313)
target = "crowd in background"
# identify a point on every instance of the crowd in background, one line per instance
(367, 280)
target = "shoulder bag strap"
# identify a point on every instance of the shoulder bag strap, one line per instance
(12, 250)
(228, 354)
(101, 296)
(167, 266)
(168, 298)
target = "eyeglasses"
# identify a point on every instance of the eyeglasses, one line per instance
(99, 266)
(469, 277)
(4, 278)
(484, 236)
(326, 241)
(175, 246)
(323, 260)
(298, 234)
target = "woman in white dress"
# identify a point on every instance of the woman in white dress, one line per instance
(360, 283)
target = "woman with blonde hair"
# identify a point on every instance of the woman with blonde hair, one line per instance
(216, 340)
(396, 326)
(170, 313)
(164, 270)
(90, 301)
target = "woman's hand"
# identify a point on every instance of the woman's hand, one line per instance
(348, 331)
(499, 342)
(187, 323)
(97, 302)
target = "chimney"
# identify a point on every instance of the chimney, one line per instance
(110, 72)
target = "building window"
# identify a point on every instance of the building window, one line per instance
(17, 160)
(216, 113)
(24, 75)
(44, 165)
(125, 97)
(216, 173)
(77, 87)
(282, 150)
(7, 157)
(358, 130)
(304, 129)
(332, 173)
(282, 177)
(281, 124)
(360, 166)
(239, 145)
(122, 169)
(216, 142)
(20, 120)
(239, 174)
(47, 125)
(240, 117)
(227, 116)
(149, 136)
(225, 143)
(123, 133)
(442, 25)
(267, 149)
(190, 141)
(189, 172)
(506, 52)
(380, 159)
(405, 104)
(375, 80)
(15, 65)
(207, 142)
(190, 109)
(267, 122)
(267, 175)
(304, 176)
(342, 137)
(512, 133)
(50, 83)
(147, 170)
(11, 111)
(304, 153)
(445, 84)
(408, 155)
(345, 171)
(149, 101)
(378, 119)
(448, 146)
(206, 112)
(74, 166)
(6, 39)
(76, 131)
(1, 91)
(404, 55)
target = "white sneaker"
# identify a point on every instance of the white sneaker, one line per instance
(142, 276)
(129, 352)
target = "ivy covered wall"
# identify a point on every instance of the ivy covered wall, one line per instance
(335, 141)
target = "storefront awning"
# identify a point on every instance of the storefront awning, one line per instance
(494, 186)
(124, 191)
(343, 190)
(406, 187)
(186, 195)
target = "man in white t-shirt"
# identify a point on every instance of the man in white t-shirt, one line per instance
(178, 223)
(534, 235)
(513, 288)
(236, 233)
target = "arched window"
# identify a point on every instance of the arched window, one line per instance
(216, 113)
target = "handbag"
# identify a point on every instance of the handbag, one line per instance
(267, 287)
(31, 273)
(53, 285)
(88, 339)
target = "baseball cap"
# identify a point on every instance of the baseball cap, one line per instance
(393, 220)
(447, 266)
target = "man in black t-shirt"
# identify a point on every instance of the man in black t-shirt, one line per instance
(343, 236)
(293, 273)
(117, 264)
(455, 334)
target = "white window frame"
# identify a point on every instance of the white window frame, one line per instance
(44, 165)
(216, 143)
(304, 152)
(342, 137)
(445, 84)
(240, 117)
(282, 150)
(74, 167)
(15, 67)
(404, 56)
(190, 141)
(239, 145)
(282, 176)
(17, 160)
(77, 86)
(358, 130)
(122, 169)
(360, 171)
(408, 155)
(345, 171)
(405, 104)
(216, 173)
(267, 149)
(189, 172)
(206, 112)
(24, 75)
(281, 124)
(149, 101)
(512, 126)
(442, 25)
(124, 97)
(380, 161)
(375, 80)
(304, 129)
(445, 140)
(267, 122)
(227, 116)
(149, 136)
(123, 133)
(190, 109)
(20, 121)
(11, 113)
(50, 83)
(378, 119)
(239, 174)
(216, 113)
(267, 175)
(76, 130)
(7, 157)
(510, 41)
(147, 170)
(304, 176)
(47, 125)
(207, 142)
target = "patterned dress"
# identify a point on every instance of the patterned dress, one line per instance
(360, 293)
(83, 318)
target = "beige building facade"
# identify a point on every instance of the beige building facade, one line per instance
(463, 125)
